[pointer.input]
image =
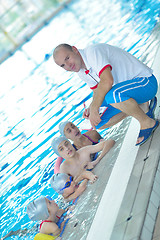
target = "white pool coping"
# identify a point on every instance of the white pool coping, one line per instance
(107, 212)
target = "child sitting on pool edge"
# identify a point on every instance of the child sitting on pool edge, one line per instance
(77, 162)
(53, 218)
(65, 185)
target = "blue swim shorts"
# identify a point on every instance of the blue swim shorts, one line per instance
(107, 114)
(142, 89)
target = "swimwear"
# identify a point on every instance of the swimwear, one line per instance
(141, 89)
(43, 222)
(93, 142)
(74, 146)
(61, 219)
(94, 155)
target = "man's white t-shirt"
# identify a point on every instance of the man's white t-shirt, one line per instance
(123, 65)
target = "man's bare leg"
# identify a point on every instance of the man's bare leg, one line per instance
(131, 108)
(120, 116)
(114, 120)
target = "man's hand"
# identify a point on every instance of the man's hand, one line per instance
(86, 113)
(94, 116)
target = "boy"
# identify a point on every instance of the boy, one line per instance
(65, 185)
(77, 162)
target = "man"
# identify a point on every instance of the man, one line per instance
(117, 79)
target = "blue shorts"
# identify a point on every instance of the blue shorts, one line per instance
(141, 89)
(107, 114)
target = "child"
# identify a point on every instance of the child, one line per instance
(51, 215)
(64, 184)
(71, 131)
(76, 162)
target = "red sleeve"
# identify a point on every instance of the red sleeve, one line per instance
(104, 69)
(94, 86)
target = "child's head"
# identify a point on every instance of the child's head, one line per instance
(63, 184)
(63, 147)
(41, 209)
(69, 130)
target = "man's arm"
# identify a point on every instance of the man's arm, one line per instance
(105, 84)
(86, 112)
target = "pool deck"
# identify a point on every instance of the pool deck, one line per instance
(132, 196)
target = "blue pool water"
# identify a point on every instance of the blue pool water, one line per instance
(36, 95)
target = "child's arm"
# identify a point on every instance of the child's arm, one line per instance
(107, 145)
(20, 232)
(14, 233)
(86, 175)
(81, 188)
(103, 146)
(61, 211)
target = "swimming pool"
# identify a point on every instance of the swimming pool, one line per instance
(36, 95)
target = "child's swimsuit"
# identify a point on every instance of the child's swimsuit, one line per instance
(61, 219)
(93, 142)
(93, 156)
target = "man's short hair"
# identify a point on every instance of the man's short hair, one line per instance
(62, 45)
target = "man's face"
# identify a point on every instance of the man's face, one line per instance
(69, 60)
(66, 150)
